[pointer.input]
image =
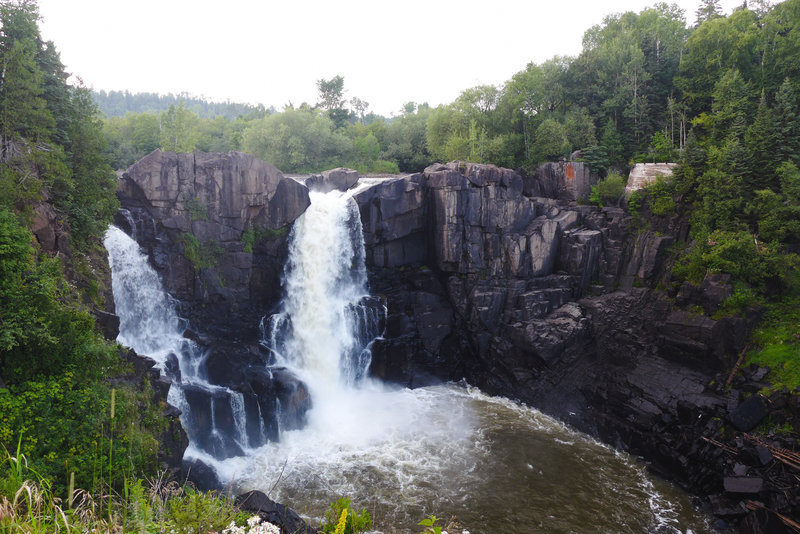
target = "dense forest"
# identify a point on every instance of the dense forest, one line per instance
(61, 415)
(719, 95)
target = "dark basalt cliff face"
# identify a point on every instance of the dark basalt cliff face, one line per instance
(214, 224)
(497, 278)
(552, 303)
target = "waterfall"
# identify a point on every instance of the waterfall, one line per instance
(213, 416)
(404, 454)
(328, 320)
(148, 322)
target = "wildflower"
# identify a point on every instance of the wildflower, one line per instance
(342, 522)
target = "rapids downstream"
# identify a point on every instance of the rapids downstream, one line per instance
(402, 454)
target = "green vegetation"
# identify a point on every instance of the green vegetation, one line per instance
(29, 503)
(340, 518)
(776, 341)
(253, 236)
(609, 190)
(58, 408)
(197, 210)
(202, 254)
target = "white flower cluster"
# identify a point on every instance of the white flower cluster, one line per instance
(254, 526)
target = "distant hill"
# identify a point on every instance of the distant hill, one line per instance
(118, 103)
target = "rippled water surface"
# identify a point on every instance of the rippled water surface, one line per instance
(454, 452)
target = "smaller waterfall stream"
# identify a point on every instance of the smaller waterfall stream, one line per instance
(150, 325)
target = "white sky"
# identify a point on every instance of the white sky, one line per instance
(273, 52)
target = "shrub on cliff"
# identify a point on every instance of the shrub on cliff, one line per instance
(609, 190)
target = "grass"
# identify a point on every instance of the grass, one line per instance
(28, 504)
(778, 343)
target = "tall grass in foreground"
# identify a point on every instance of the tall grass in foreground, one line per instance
(29, 505)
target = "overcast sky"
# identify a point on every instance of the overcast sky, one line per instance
(272, 52)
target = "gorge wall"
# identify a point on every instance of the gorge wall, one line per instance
(571, 309)
(490, 276)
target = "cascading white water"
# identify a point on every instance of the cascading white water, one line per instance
(327, 320)
(150, 325)
(148, 321)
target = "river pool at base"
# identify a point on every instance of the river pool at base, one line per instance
(493, 465)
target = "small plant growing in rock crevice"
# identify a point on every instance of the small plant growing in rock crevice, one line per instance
(202, 255)
(197, 210)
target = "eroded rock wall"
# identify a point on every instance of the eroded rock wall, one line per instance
(552, 303)
(215, 225)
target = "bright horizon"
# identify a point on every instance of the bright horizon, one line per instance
(273, 53)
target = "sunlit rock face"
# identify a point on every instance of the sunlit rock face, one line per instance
(214, 224)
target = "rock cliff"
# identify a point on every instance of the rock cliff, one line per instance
(214, 224)
(554, 304)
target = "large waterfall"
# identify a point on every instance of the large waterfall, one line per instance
(328, 319)
(402, 454)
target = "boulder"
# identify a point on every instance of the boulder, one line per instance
(258, 503)
(202, 475)
(340, 179)
(743, 484)
(749, 414)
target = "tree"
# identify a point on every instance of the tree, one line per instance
(550, 141)
(787, 125)
(92, 200)
(360, 108)
(718, 45)
(178, 129)
(331, 99)
(708, 10)
(297, 141)
(24, 111)
(331, 93)
(760, 143)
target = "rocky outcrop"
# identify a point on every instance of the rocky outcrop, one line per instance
(340, 179)
(214, 224)
(565, 180)
(552, 303)
(277, 514)
(644, 174)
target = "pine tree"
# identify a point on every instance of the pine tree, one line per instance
(709, 9)
(760, 144)
(24, 110)
(787, 124)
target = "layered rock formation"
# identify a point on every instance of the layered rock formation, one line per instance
(551, 303)
(214, 224)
